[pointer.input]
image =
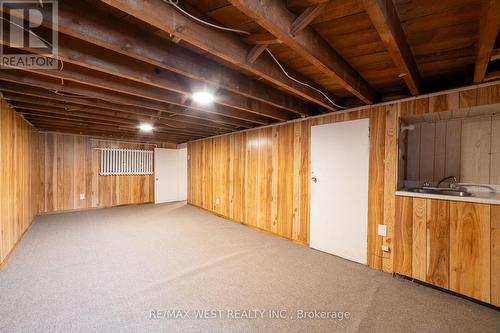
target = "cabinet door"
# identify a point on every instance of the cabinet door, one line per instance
(470, 249)
(438, 242)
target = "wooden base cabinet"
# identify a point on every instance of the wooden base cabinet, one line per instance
(453, 245)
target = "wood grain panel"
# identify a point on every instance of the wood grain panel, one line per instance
(71, 167)
(19, 178)
(453, 150)
(403, 236)
(470, 249)
(495, 255)
(427, 140)
(495, 151)
(438, 242)
(376, 185)
(419, 246)
(475, 150)
(390, 179)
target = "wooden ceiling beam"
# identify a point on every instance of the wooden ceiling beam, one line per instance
(488, 32)
(88, 127)
(42, 81)
(107, 82)
(304, 19)
(97, 113)
(384, 18)
(175, 119)
(264, 38)
(118, 37)
(224, 45)
(74, 51)
(31, 112)
(255, 52)
(277, 19)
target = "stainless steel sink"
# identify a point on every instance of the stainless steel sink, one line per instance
(443, 191)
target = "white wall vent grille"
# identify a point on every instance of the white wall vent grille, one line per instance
(122, 162)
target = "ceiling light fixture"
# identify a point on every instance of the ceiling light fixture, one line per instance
(203, 97)
(146, 127)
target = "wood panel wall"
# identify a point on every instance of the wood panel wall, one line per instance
(261, 178)
(19, 173)
(468, 148)
(70, 167)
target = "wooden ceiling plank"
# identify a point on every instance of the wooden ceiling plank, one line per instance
(118, 37)
(304, 19)
(385, 19)
(221, 44)
(277, 19)
(489, 26)
(90, 92)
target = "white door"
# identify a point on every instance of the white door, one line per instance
(170, 176)
(339, 189)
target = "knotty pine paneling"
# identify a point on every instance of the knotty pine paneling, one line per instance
(403, 238)
(70, 166)
(19, 174)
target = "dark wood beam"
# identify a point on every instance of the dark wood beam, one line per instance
(255, 52)
(96, 114)
(228, 47)
(118, 37)
(91, 128)
(74, 51)
(168, 115)
(43, 81)
(264, 38)
(304, 19)
(277, 19)
(385, 19)
(488, 31)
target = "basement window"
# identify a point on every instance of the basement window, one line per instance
(123, 162)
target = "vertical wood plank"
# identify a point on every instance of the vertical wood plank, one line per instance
(440, 151)
(427, 145)
(403, 236)
(419, 245)
(453, 148)
(376, 184)
(413, 154)
(495, 255)
(475, 150)
(495, 151)
(438, 242)
(470, 249)
(390, 181)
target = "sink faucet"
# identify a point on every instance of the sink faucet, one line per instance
(453, 183)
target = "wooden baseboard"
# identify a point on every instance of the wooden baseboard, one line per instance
(3, 263)
(91, 208)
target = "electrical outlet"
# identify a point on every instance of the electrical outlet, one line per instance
(82, 196)
(382, 230)
(217, 201)
(386, 248)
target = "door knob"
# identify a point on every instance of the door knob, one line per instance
(314, 179)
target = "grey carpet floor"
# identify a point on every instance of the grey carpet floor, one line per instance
(107, 270)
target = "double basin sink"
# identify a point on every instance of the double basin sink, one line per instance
(442, 191)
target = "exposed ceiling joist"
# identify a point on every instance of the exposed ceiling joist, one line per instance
(385, 19)
(277, 19)
(226, 46)
(488, 32)
(42, 96)
(118, 37)
(304, 19)
(118, 98)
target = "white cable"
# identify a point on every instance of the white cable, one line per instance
(175, 4)
(302, 83)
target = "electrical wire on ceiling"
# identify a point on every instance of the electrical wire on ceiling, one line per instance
(197, 19)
